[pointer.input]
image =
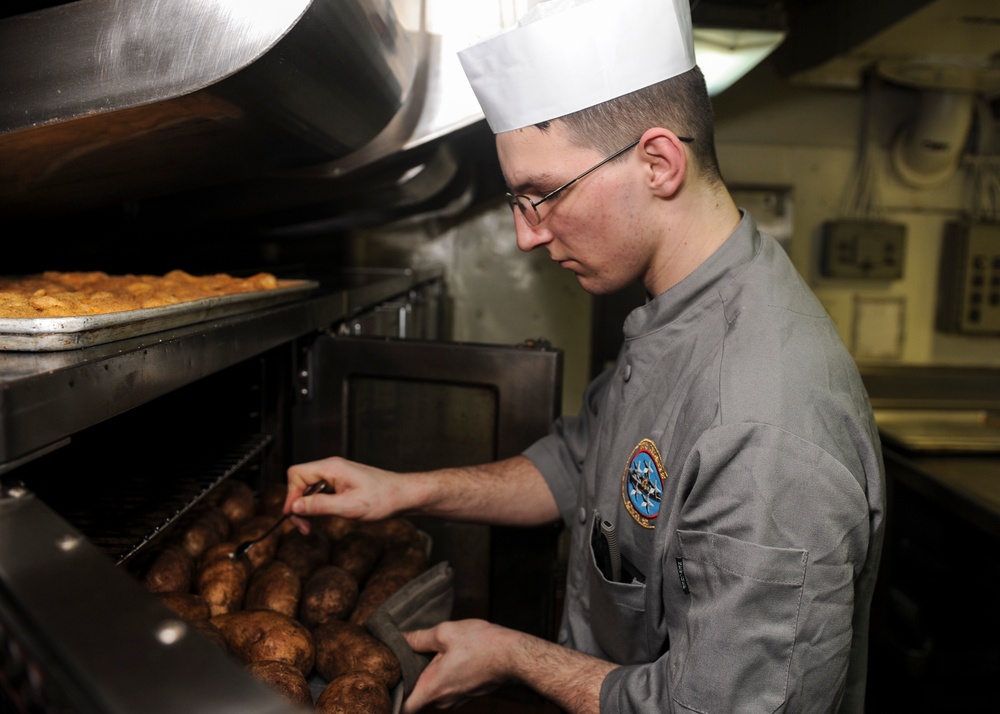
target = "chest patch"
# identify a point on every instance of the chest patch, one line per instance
(642, 483)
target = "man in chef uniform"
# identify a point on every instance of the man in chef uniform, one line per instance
(730, 451)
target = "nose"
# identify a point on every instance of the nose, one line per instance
(528, 237)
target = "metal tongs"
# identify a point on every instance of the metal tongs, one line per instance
(245, 546)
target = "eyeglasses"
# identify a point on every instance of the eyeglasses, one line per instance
(529, 208)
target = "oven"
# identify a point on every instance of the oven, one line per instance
(235, 136)
(106, 448)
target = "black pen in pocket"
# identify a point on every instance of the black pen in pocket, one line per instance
(599, 546)
(614, 554)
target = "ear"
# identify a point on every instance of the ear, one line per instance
(666, 161)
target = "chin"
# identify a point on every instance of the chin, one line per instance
(596, 287)
(586, 284)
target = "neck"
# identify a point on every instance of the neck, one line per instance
(696, 224)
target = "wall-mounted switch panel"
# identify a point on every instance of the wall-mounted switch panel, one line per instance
(969, 283)
(859, 249)
(873, 250)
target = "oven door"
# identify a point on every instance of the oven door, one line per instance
(79, 634)
(411, 405)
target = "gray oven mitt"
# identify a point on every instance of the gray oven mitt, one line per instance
(421, 603)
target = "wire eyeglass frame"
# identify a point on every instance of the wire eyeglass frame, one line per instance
(533, 217)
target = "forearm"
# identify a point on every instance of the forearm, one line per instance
(569, 679)
(473, 657)
(507, 492)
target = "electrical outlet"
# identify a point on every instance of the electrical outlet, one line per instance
(873, 250)
(969, 289)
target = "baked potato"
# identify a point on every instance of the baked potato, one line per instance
(274, 586)
(170, 571)
(236, 500)
(343, 647)
(263, 635)
(354, 693)
(207, 528)
(330, 593)
(254, 528)
(283, 678)
(357, 553)
(377, 590)
(187, 606)
(335, 527)
(304, 552)
(272, 499)
(407, 561)
(222, 578)
(392, 531)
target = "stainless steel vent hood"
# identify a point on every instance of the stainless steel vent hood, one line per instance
(113, 100)
(241, 108)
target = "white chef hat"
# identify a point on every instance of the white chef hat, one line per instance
(567, 55)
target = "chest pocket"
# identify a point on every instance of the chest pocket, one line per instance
(742, 619)
(618, 616)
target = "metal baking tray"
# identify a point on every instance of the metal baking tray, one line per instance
(52, 334)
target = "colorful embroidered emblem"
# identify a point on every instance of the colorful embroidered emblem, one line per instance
(642, 483)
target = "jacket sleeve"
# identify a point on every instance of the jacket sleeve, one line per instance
(560, 455)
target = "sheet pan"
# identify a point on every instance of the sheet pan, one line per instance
(52, 334)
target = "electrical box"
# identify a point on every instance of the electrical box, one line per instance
(969, 281)
(873, 250)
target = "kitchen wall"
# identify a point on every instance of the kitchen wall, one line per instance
(497, 293)
(771, 132)
(774, 138)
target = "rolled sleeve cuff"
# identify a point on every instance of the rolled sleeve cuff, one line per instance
(559, 470)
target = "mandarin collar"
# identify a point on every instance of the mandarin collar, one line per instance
(705, 281)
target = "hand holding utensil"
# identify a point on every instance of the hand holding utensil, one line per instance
(245, 546)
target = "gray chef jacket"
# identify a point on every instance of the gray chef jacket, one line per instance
(732, 448)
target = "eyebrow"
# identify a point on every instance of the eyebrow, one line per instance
(535, 184)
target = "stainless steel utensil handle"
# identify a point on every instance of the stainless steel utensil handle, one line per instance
(317, 487)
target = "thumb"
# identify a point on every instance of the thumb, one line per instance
(421, 640)
(314, 505)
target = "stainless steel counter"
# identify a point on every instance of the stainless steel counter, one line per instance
(934, 626)
(966, 484)
(940, 435)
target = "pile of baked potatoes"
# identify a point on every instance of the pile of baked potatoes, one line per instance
(293, 607)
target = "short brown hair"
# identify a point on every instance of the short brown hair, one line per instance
(679, 103)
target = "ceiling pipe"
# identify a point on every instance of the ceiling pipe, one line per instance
(926, 150)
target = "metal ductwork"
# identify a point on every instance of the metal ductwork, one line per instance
(116, 100)
(321, 113)
(927, 149)
(348, 111)
(946, 51)
(318, 107)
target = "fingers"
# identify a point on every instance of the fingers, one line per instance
(360, 492)
(463, 664)
(417, 701)
(302, 476)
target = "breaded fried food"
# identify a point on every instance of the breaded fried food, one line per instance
(76, 294)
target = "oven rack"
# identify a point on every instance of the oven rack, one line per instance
(122, 513)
